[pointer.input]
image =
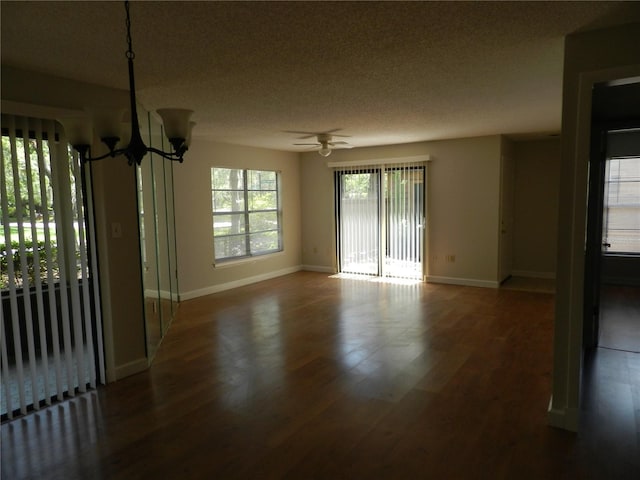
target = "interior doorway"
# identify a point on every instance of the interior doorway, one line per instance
(620, 258)
(381, 220)
(612, 266)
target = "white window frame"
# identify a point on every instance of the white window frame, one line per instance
(616, 200)
(246, 212)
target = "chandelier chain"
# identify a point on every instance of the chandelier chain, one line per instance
(130, 53)
(136, 149)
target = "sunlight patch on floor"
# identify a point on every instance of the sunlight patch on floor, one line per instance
(375, 279)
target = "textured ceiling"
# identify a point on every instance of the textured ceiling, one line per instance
(383, 72)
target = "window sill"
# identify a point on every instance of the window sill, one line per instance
(245, 260)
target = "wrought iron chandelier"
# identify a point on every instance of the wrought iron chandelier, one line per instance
(108, 125)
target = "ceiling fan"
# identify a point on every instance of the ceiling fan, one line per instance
(325, 141)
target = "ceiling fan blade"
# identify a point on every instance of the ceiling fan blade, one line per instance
(346, 145)
(315, 134)
(306, 134)
(314, 144)
(339, 142)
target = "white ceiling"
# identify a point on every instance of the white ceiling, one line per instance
(383, 72)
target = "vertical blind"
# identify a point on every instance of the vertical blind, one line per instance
(51, 328)
(358, 203)
(381, 219)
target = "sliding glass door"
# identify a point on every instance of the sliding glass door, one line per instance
(380, 220)
(50, 321)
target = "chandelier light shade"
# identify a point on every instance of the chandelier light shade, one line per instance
(122, 135)
(177, 126)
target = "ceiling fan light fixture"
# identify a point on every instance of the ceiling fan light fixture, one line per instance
(325, 151)
(325, 143)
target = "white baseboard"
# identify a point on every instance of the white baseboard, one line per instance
(318, 268)
(467, 282)
(567, 418)
(131, 368)
(528, 274)
(163, 294)
(238, 283)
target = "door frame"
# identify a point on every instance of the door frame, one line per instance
(598, 155)
(593, 246)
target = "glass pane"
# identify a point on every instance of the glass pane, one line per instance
(622, 205)
(263, 221)
(226, 179)
(37, 227)
(359, 222)
(404, 211)
(359, 185)
(228, 247)
(228, 224)
(264, 242)
(263, 201)
(228, 201)
(261, 180)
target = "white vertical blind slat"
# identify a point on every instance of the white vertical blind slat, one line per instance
(32, 365)
(41, 186)
(23, 271)
(65, 320)
(4, 367)
(37, 280)
(406, 233)
(86, 340)
(74, 352)
(409, 215)
(46, 165)
(33, 362)
(101, 374)
(4, 357)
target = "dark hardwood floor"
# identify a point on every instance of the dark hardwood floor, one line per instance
(306, 376)
(611, 383)
(620, 318)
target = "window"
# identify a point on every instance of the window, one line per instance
(51, 339)
(622, 205)
(246, 212)
(27, 189)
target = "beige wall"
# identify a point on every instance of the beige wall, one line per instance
(194, 228)
(463, 206)
(28, 93)
(537, 179)
(590, 57)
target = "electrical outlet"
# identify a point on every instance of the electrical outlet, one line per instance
(116, 230)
